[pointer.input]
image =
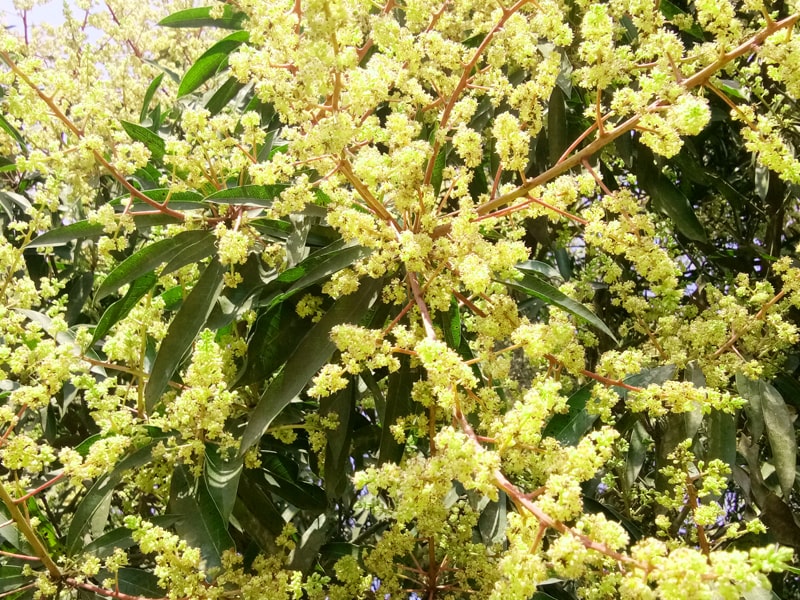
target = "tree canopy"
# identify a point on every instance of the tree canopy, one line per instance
(407, 299)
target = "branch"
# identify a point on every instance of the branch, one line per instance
(610, 135)
(162, 208)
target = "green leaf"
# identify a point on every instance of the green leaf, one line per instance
(68, 233)
(148, 96)
(192, 252)
(256, 512)
(557, 136)
(152, 141)
(721, 432)
(312, 353)
(537, 267)
(12, 131)
(222, 478)
(451, 324)
(307, 551)
(569, 428)
(120, 309)
(438, 169)
(751, 390)
(201, 524)
(201, 17)
(320, 266)
(281, 478)
(223, 95)
(251, 195)
(779, 428)
(147, 259)
(96, 501)
(337, 448)
(665, 196)
(211, 62)
(534, 286)
(137, 582)
(183, 330)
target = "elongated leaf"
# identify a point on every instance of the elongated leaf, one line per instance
(148, 95)
(781, 436)
(398, 405)
(752, 390)
(451, 322)
(139, 583)
(211, 62)
(96, 499)
(222, 479)
(557, 136)
(183, 330)
(306, 553)
(147, 259)
(252, 195)
(254, 506)
(120, 309)
(438, 169)
(665, 196)
(224, 94)
(201, 524)
(152, 141)
(12, 131)
(337, 449)
(320, 266)
(192, 252)
(68, 233)
(569, 428)
(201, 17)
(721, 430)
(537, 267)
(534, 286)
(280, 477)
(309, 357)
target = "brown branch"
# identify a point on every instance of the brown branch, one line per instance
(565, 165)
(465, 76)
(162, 208)
(90, 587)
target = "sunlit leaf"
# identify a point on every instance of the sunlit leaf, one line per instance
(147, 259)
(211, 62)
(534, 286)
(201, 17)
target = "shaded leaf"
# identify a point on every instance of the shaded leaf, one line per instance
(95, 501)
(557, 137)
(120, 309)
(222, 479)
(751, 390)
(281, 478)
(137, 582)
(183, 330)
(337, 448)
(493, 519)
(305, 553)
(312, 353)
(201, 17)
(721, 431)
(569, 428)
(147, 259)
(534, 286)
(398, 405)
(201, 524)
(211, 62)
(781, 436)
(192, 252)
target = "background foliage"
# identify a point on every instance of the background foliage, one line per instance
(338, 299)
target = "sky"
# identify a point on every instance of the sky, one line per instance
(50, 12)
